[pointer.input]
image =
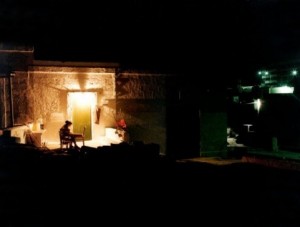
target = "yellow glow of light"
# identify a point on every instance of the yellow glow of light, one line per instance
(83, 98)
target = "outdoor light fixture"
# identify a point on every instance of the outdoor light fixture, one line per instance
(257, 104)
(263, 72)
(294, 72)
(281, 90)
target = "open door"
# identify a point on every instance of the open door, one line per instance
(81, 112)
(81, 116)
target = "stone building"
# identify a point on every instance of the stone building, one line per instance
(184, 114)
(43, 94)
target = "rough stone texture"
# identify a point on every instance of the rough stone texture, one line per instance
(34, 97)
(37, 95)
(40, 93)
(140, 86)
(5, 114)
(141, 102)
(12, 58)
(70, 69)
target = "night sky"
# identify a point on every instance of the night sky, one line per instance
(229, 39)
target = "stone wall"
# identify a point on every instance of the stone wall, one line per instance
(141, 102)
(13, 58)
(42, 92)
(5, 103)
(34, 97)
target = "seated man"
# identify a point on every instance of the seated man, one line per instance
(66, 133)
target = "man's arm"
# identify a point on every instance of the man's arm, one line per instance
(76, 134)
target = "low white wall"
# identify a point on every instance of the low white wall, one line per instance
(17, 131)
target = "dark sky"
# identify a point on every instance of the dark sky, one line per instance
(229, 36)
(114, 30)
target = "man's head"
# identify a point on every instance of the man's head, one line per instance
(68, 122)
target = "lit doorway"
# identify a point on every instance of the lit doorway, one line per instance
(81, 106)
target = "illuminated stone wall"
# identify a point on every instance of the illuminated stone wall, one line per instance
(41, 94)
(5, 114)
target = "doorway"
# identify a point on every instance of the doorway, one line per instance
(81, 106)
